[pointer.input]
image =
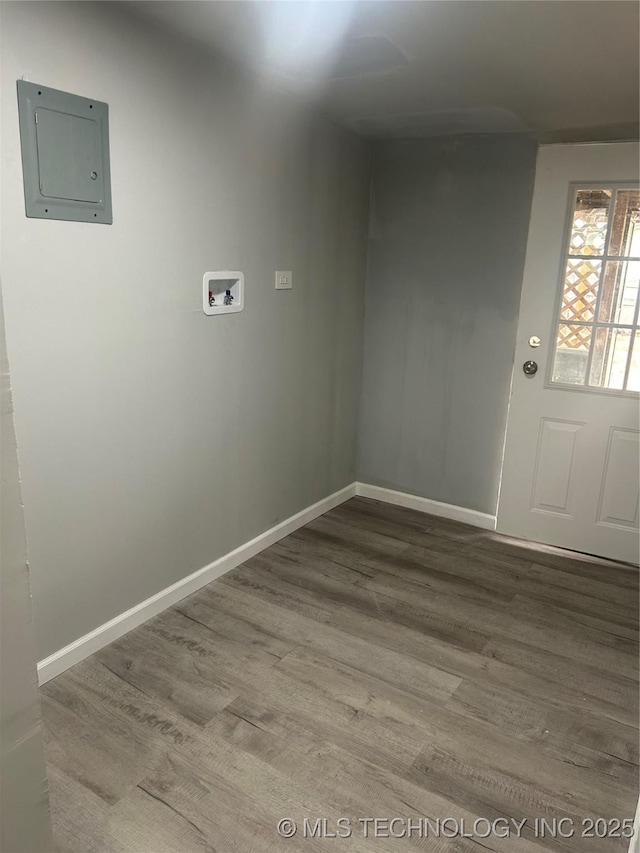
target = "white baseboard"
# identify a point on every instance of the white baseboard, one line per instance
(457, 513)
(115, 628)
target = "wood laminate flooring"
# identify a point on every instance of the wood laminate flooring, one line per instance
(377, 663)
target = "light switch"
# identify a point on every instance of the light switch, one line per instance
(284, 280)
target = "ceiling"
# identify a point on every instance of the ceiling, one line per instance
(561, 69)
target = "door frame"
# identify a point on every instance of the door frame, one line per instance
(551, 330)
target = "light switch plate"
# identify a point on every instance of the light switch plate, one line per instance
(65, 155)
(284, 280)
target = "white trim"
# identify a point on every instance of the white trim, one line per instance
(115, 628)
(457, 513)
(634, 844)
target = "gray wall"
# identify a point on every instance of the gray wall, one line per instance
(447, 238)
(25, 825)
(155, 439)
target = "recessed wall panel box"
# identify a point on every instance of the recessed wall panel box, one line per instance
(65, 155)
(223, 292)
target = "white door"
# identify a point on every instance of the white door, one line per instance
(571, 467)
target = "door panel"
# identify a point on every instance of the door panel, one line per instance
(570, 472)
(620, 489)
(554, 465)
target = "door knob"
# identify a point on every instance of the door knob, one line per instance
(530, 368)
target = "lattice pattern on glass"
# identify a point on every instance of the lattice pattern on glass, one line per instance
(580, 289)
(590, 220)
(597, 340)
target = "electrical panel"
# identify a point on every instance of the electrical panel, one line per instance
(65, 155)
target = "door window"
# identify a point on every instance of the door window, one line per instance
(597, 337)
